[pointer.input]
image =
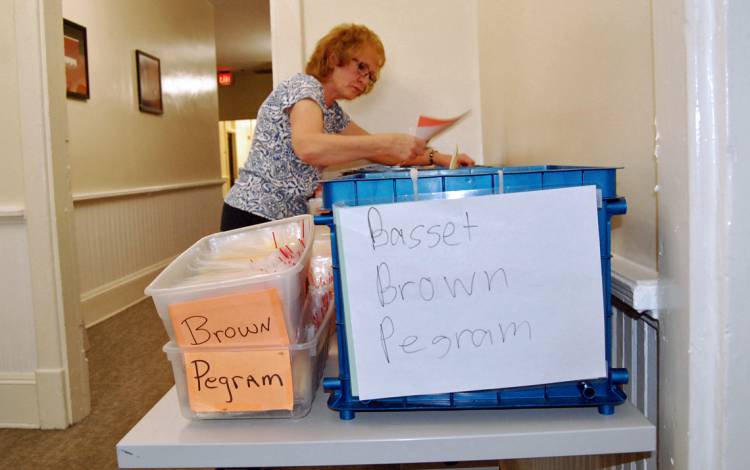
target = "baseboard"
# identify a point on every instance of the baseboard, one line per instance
(18, 401)
(110, 299)
(52, 398)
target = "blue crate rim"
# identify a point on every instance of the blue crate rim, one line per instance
(397, 172)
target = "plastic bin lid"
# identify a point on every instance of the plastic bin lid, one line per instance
(176, 276)
(398, 172)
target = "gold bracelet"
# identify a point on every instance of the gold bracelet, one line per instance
(431, 156)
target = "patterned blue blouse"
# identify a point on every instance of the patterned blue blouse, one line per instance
(274, 183)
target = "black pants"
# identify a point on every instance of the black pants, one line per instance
(232, 218)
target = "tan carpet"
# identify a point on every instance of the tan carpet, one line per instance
(128, 375)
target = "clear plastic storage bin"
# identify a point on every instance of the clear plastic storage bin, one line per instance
(308, 361)
(212, 267)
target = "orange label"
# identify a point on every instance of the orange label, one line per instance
(225, 381)
(244, 319)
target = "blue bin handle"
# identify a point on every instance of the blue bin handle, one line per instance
(617, 206)
(323, 219)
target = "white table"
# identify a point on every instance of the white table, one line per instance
(163, 438)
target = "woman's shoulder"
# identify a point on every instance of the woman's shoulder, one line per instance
(298, 87)
(300, 80)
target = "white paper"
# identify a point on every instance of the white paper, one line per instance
(475, 293)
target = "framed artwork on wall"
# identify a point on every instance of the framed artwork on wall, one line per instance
(76, 61)
(148, 70)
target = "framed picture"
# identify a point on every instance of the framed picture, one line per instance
(149, 83)
(76, 61)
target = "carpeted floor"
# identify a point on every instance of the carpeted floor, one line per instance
(128, 375)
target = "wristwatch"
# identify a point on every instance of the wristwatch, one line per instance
(431, 156)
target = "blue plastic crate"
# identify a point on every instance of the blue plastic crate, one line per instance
(381, 184)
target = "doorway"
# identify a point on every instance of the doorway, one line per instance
(235, 139)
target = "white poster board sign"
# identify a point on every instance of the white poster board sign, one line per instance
(470, 294)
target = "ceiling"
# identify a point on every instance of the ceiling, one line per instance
(243, 34)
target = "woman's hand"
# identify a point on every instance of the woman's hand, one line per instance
(439, 159)
(406, 148)
(463, 160)
(314, 146)
(444, 160)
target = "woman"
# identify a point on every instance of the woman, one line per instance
(300, 129)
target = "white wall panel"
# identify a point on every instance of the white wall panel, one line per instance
(738, 266)
(17, 339)
(122, 236)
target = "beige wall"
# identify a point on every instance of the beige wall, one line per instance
(114, 146)
(244, 97)
(11, 178)
(547, 83)
(572, 83)
(145, 186)
(432, 63)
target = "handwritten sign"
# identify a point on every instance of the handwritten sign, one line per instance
(226, 381)
(246, 318)
(470, 294)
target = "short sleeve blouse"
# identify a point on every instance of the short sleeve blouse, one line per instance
(274, 183)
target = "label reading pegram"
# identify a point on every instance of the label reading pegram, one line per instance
(243, 319)
(235, 381)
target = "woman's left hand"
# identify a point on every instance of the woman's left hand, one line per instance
(439, 159)
(443, 159)
(463, 160)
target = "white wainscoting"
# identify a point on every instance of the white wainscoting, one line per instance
(126, 238)
(18, 396)
(17, 340)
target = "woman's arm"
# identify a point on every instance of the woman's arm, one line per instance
(443, 159)
(353, 129)
(438, 158)
(314, 146)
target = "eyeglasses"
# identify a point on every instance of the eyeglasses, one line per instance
(364, 70)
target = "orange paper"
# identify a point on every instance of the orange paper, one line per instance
(253, 380)
(429, 127)
(430, 121)
(243, 319)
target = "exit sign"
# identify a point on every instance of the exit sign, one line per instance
(225, 78)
